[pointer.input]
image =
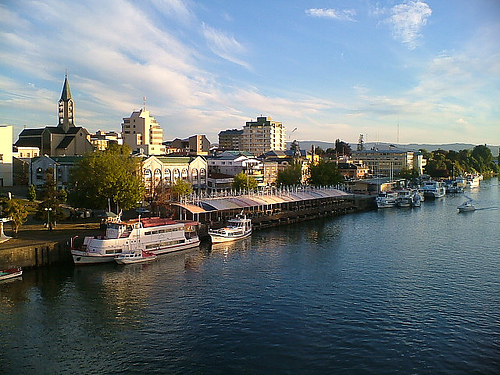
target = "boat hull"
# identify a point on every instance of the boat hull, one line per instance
(10, 273)
(222, 239)
(125, 261)
(84, 258)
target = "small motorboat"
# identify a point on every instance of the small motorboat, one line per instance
(11, 273)
(138, 256)
(237, 228)
(467, 206)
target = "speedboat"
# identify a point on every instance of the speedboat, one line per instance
(467, 206)
(11, 273)
(139, 256)
(237, 228)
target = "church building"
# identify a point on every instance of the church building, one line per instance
(65, 139)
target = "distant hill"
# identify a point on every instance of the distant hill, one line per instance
(306, 145)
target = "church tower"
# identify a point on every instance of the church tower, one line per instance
(66, 108)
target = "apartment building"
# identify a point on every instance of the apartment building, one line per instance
(230, 139)
(263, 135)
(142, 133)
(101, 139)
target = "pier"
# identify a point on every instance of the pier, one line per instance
(273, 208)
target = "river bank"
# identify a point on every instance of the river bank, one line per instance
(36, 246)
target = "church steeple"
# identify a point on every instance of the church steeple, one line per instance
(66, 108)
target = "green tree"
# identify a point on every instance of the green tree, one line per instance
(18, 213)
(342, 148)
(291, 175)
(49, 210)
(31, 193)
(408, 174)
(325, 174)
(244, 182)
(181, 188)
(112, 174)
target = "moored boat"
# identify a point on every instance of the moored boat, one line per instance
(156, 235)
(405, 198)
(386, 199)
(138, 256)
(237, 228)
(11, 273)
(433, 189)
(473, 181)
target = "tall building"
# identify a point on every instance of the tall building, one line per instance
(6, 155)
(142, 133)
(263, 135)
(230, 140)
(65, 139)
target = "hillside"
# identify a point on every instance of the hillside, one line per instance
(306, 145)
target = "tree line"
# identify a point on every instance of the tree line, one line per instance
(445, 164)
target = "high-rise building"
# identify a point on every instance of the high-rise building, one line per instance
(142, 133)
(263, 135)
(230, 140)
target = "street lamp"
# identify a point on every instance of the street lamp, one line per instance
(49, 224)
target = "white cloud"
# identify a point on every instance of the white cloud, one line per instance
(407, 20)
(341, 15)
(223, 45)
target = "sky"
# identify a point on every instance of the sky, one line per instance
(395, 71)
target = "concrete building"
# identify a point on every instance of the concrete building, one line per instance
(263, 135)
(353, 170)
(230, 139)
(6, 158)
(65, 139)
(60, 166)
(194, 145)
(389, 162)
(162, 171)
(101, 139)
(142, 133)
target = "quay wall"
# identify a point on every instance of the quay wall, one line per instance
(39, 255)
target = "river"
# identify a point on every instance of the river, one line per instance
(394, 291)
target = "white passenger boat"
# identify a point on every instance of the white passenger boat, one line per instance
(155, 235)
(434, 189)
(386, 199)
(138, 256)
(467, 206)
(237, 228)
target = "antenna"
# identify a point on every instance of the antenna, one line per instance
(397, 139)
(144, 103)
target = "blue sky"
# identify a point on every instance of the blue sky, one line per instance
(330, 69)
